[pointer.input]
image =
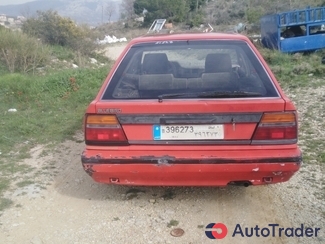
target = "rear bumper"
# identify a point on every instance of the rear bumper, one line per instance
(176, 169)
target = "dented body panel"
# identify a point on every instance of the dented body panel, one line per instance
(190, 174)
(189, 166)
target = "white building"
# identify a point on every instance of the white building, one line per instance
(3, 18)
(11, 20)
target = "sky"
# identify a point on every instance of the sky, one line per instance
(9, 2)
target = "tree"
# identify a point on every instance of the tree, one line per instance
(127, 9)
(109, 10)
(253, 15)
(195, 5)
(53, 29)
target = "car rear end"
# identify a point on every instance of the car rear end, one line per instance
(191, 110)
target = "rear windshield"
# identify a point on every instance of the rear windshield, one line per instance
(190, 69)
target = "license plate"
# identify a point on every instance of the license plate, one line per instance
(188, 132)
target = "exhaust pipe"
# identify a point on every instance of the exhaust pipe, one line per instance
(240, 183)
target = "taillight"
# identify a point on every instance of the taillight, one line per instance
(104, 129)
(276, 128)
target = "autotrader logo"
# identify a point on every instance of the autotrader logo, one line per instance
(220, 231)
(216, 231)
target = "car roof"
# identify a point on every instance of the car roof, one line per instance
(189, 36)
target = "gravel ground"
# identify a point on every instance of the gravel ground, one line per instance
(74, 209)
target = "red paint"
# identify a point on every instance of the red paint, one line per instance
(172, 165)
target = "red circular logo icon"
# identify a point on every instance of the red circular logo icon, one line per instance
(216, 231)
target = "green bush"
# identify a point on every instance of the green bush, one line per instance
(53, 29)
(21, 53)
(253, 15)
(62, 53)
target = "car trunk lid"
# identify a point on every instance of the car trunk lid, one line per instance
(191, 121)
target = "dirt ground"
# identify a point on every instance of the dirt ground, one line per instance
(70, 208)
(114, 51)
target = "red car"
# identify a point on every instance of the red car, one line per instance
(196, 109)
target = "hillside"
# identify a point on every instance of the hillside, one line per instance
(92, 12)
(232, 12)
(215, 12)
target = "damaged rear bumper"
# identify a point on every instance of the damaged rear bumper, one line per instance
(194, 169)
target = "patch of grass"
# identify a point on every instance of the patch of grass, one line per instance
(100, 57)
(62, 53)
(116, 219)
(9, 169)
(200, 226)
(42, 187)
(5, 203)
(48, 108)
(4, 184)
(294, 70)
(172, 223)
(25, 183)
(321, 157)
(315, 150)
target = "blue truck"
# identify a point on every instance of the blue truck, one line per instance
(294, 31)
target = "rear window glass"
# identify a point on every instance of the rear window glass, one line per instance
(189, 68)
